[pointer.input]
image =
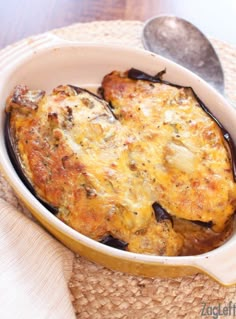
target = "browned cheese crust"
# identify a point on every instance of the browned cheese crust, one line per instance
(104, 173)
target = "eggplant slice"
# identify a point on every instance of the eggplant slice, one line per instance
(12, 152)
(72, 154)
(28, 100)
(196, 141)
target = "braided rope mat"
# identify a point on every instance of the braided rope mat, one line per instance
(101, 293)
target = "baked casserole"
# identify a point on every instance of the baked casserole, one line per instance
(144, 167)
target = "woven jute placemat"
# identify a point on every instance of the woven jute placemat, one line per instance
(98, 292)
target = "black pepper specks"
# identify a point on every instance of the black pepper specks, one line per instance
(69, 113)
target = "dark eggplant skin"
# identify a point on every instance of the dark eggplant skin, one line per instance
(203, 224)
(136, 74)
(114, 242)
(160, 213)
(12, 152)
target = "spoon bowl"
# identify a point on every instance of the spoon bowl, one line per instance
(183, 43)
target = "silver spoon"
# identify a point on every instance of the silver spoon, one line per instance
(181, 42)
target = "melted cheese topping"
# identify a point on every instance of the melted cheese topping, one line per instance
(104, 174)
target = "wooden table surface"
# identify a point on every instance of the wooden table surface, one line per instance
(22, 18)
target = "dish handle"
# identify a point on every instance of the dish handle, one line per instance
(220, 264)
(11, 54)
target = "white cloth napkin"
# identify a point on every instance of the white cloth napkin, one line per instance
(34, 270)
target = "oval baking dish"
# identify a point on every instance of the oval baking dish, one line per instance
(45, 62)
